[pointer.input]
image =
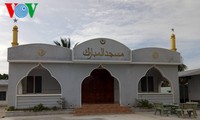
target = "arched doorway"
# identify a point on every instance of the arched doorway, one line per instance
(154, 87)
(38, 87)
(39, 81)
(155, 82)
(100, 87)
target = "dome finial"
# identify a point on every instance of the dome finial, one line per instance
(173, 41)
(15, 36)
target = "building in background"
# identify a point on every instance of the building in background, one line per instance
(189, 85)
(3, 92)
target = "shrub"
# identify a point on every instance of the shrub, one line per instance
(61, 102)
(11, 108)
(39, 107)
(54, 108)
(144, 104)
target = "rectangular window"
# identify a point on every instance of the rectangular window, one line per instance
(147, 84)
(38, 84)
(30, 84)
(150, 84)
(34, 84)
(2, 95)
(144, 84)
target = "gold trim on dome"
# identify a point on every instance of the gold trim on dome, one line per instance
(155, 55)
(102, 41)
(41, 52)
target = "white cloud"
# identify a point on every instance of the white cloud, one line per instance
(136, 23)
(3, 64)
(3, 10)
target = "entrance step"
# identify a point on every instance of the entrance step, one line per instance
(93, 109)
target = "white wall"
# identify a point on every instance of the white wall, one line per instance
(194, 88)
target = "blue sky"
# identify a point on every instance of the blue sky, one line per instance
(135, 23)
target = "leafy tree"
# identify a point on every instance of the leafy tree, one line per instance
(165, 84)
(183, 82)
(4, 76)
(182, 67)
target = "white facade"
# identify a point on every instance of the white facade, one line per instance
(41, 73)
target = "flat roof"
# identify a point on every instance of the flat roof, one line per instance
(3, 82)
(189, 73)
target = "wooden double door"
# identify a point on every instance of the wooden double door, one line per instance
(98, 87)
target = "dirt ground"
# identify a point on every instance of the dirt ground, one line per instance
(2, 111)
(136, 116)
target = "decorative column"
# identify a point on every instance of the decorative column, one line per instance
(173, 41)
(15, 36)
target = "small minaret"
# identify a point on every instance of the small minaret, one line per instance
(15, 36)
(173, 41)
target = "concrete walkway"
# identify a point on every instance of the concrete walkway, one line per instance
(136, 116)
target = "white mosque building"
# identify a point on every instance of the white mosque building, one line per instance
(97, 71)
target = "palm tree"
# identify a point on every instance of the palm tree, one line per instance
(65, 42)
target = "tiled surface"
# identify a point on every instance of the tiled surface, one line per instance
(93, 109)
